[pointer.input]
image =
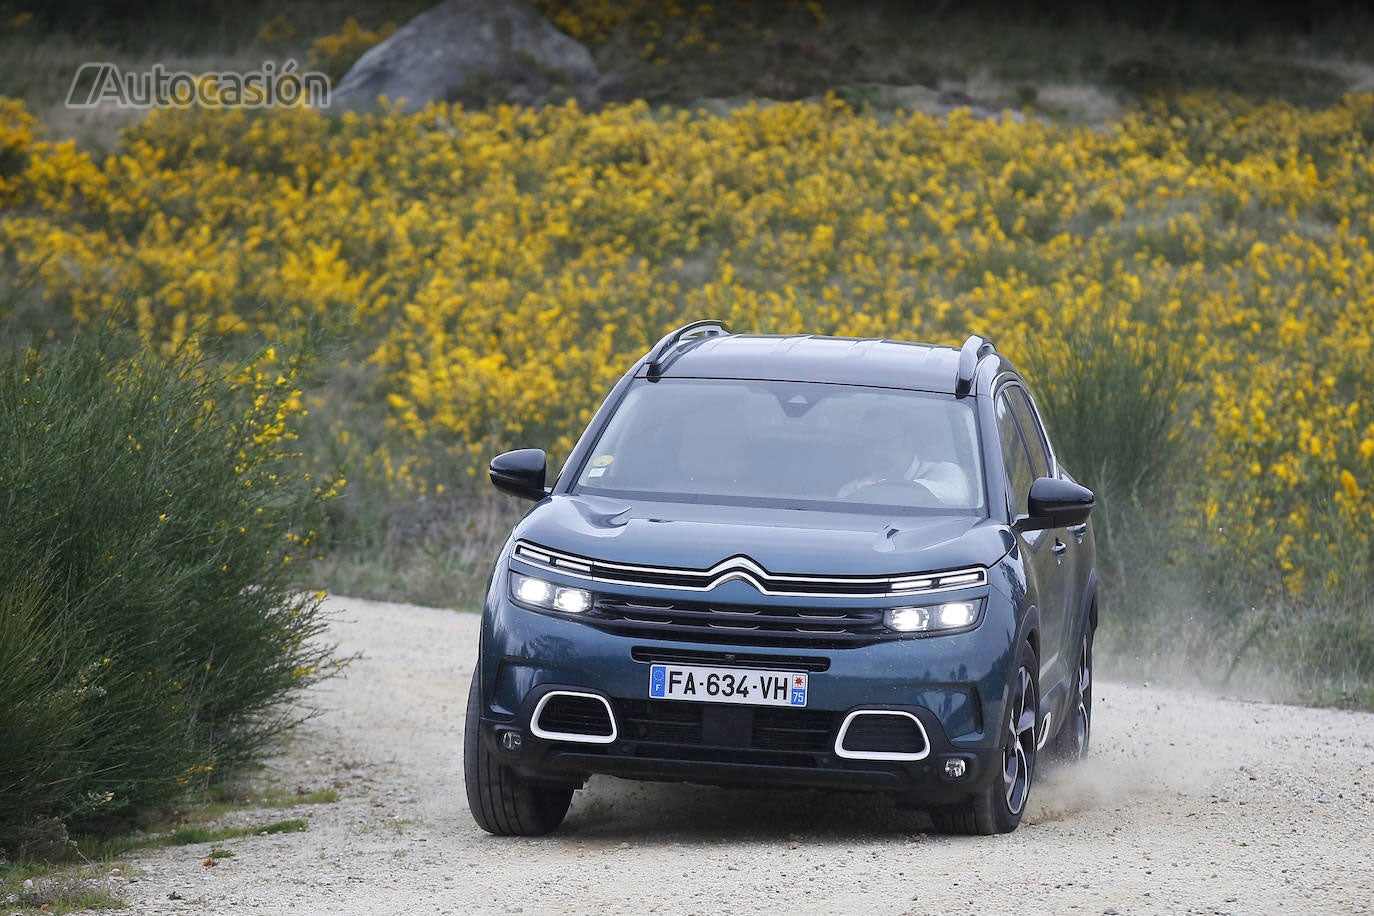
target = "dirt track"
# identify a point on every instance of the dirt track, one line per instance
(1189, 804)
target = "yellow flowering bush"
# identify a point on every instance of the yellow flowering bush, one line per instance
(673, 35)
(596, 20)
(335, 53)
(277, 30)
(499, 268)
(16, 137)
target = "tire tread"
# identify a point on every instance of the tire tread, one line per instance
(500, 802)
(981, 815)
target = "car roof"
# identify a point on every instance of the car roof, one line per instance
(841, 360)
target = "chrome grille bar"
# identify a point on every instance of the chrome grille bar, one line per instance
(784, 585)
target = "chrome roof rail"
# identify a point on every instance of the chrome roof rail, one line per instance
(973, 350)
(658, 357)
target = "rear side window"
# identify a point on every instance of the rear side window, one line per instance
(1015, 457)
(1034, 434)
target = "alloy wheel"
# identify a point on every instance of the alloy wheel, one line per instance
(1083, 720)
(1018, 755)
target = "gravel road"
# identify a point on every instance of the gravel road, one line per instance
(1190, 804)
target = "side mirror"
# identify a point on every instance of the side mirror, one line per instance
(520, 473)
(1056, 503)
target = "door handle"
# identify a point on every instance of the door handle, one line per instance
(1078, 531)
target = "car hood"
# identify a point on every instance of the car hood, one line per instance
(691, 536)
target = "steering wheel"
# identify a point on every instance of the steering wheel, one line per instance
(898, 487)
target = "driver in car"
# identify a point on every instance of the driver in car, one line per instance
(893, 458)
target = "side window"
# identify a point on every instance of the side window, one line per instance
(1014, 456)
(1031, 429)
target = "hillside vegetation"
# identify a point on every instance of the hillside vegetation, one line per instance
(1191, 290)
(213, 318)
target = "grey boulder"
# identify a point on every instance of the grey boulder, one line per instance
(474, 52)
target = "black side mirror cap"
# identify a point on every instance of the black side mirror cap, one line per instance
(1056, 503)
(520, 473)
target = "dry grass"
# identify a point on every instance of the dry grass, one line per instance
(433, 550)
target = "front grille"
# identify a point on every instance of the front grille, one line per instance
(746, 728)
(813, 663)
(660, 722)
(737, 624)
(575, 715)
(743, 568)
(726, 755)
(793, 730)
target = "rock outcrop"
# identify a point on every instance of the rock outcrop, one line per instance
(474, 52)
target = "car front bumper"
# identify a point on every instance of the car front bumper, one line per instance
(953, 686)
(931, 780)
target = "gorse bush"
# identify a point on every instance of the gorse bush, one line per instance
(150, 628)
(1190, 289)
(335, 53)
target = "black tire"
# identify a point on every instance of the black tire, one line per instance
(1071, 742)
(501, 803)
(998, 808)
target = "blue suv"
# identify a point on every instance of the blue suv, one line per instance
(791, 561)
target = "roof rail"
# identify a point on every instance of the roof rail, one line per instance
(974, 349)
(657, 360)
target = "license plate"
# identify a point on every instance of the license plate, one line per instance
(750, 686)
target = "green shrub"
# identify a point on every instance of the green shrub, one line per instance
(1111, 391)
(151, 630)
(44, 693)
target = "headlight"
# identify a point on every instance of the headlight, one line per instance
(933, 618)
(537, 593)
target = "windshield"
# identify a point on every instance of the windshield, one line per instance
(790, 444)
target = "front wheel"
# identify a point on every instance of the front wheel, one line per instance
(501, 803)
(998, 809)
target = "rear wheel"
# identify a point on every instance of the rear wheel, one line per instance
(501, 802)
(998, 809)
(1072, 741)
